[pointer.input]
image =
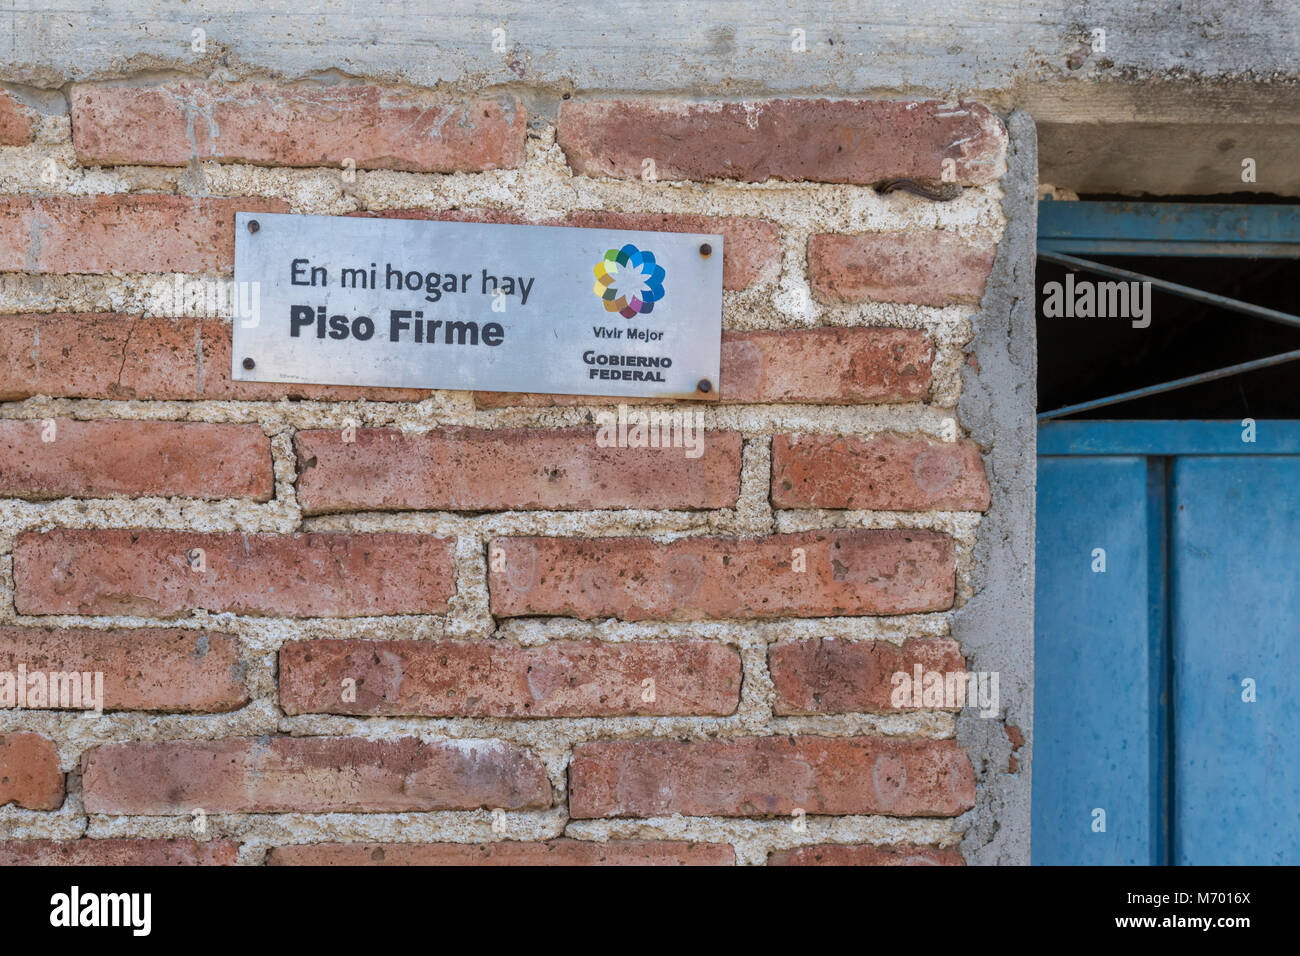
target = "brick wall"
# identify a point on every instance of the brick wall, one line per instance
(354, 626)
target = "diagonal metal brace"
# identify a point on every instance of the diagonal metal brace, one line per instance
(1186, 292)
(1170, 386)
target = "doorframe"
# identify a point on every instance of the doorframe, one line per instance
(1067, 229)
(1168, 438)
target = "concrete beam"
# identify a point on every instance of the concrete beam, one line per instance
(728, 47)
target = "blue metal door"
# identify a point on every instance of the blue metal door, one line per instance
(1167, 671)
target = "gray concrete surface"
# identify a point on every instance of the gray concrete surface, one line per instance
(1180, 94)
(719, 47)
(996, 626)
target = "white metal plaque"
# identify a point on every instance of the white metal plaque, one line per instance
(337, 300)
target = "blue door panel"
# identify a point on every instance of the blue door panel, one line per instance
(1144, 673)
(1098, 664)
(1235, 612)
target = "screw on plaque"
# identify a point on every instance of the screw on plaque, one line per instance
(249, 363)
(705, 385)
(254, 225)
(706, 250)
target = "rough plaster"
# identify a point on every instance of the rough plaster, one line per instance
(722, 48)
(996, 626)
(1178, 96)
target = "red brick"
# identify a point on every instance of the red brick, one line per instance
(1017, 738)
(16, 122)
(848, 573)
(833, 854)
(167, 670)
(122, 233)
(923, 269)
(830, 141)
(311, 775)
(1015, 735)
(552, 853)
(496, 679)
(845, 677)
(752, 247)
(109, 355)
(770, 776)
(829, 366)
(89, 852)
(29, 772)
(887, 473)
(67, 571)
(461, 469)
(375, 127)
(100, 458)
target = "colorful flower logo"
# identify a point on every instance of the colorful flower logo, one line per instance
(629, 281)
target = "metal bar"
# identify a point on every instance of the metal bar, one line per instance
(1183, 439)
(1179, 248)
(1237, 230)
(1175, 384)
(1186, 292)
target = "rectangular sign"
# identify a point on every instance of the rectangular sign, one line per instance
(335, 300)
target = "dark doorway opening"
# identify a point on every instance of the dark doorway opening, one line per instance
(1080, 359)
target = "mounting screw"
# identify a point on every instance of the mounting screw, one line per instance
(705, 385)
(254, 225)
(249, 363)
(706, 250)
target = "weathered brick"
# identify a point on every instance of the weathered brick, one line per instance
(461, 469)
(828, 366)
(551, 853)
(847, 573)
(752, 246)
(109, 355)
(100, 458)
(115, 852)
(311, 775)
(1017, 738)
(274, 125)
(833, 854)
(29, 772)
(122, 233)
(17, 126)
(496, 679)
(921, 269)
(846, 677)
(155, 669)
(72, 571)
(770, 776)
(819, 140)
(887, 472)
